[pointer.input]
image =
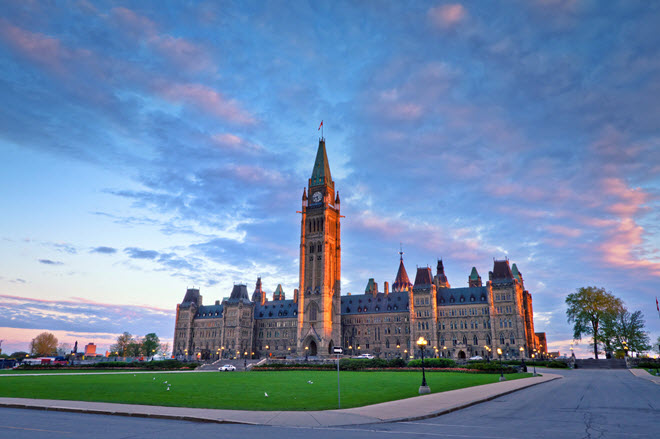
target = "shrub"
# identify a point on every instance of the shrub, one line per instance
(648, 364)
(557, 364)
(492, 367)
(433, 362)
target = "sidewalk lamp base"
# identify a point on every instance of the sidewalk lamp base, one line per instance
(423, 390)
(502, 378)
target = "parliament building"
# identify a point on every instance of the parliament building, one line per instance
(457, 322)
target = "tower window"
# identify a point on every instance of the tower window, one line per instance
(320, 248)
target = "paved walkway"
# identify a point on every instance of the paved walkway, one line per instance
(409, 409)
(643, 373)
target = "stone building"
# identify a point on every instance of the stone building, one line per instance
(457, 322)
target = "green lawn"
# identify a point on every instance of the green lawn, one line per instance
(288, 390)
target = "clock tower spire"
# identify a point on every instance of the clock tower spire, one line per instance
(319, 318)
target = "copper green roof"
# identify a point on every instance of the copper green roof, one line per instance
(474, 275)
(515, 271)
(321, 171)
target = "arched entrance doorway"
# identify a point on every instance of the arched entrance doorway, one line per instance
(331, 345)
(312, 348)
(461, 355)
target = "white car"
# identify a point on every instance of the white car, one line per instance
(477, 357)
(366, 356)
(227, 368)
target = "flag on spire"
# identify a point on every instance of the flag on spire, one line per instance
(657, 305)
(320, 126)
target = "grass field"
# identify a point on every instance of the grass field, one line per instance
(288, 390)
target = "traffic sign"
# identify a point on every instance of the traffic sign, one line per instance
(338, 350)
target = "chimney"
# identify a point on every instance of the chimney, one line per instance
(386, 288)
(295, 295)
(217, 302)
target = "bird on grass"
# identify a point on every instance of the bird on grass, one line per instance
(310, 382)
(266, 394)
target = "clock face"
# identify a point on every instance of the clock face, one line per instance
(317, 197)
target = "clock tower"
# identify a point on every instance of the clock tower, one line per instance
(319, 314)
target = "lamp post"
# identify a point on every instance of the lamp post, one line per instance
(499, 354)
(306, 354)
(522, 358)
(444, 351)
(421, 342)
(351, 348)
(398, 346)
(534, 363)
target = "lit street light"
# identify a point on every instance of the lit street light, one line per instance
(522, 358)
(421, 342)
(499, 354)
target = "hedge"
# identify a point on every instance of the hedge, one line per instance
(433, 362)
(149, 365)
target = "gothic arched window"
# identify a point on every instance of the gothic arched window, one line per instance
(501, 338)
(313, 310)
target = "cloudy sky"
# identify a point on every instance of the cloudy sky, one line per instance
(148, 147)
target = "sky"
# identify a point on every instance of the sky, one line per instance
(147, 147)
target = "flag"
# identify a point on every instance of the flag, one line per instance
(320, 126)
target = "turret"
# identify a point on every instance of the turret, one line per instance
(440, 277)
(474, 280)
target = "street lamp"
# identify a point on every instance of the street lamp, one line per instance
(421, 342)
(350, 346)
(499, 354)
(306, 353)
(522, 358)
(444, 351)
(534, 363)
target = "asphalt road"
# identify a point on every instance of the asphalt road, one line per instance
(584, 404)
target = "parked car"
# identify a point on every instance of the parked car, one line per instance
(477, 357)
(227, 368)
(366, 356)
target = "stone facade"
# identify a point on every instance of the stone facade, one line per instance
(457, 322)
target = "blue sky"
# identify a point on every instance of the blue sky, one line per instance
(148, 147)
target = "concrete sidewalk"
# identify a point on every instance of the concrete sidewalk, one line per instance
(409, 409)
(643, 373)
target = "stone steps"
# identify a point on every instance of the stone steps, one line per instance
(601, 364)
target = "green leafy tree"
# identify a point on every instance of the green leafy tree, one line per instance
(586, 309)
(18, 355)
(123, 342)
(624, 330)
(657, 345)
(44, 344)
(150, 345)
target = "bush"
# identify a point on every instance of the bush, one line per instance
(648, 364)
(558, 364)
(492, 367)
(433, 362)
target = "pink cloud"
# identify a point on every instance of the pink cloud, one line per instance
(136, 24)
(232, 141)
(446, 16)
(39, 48)
(564, 231)
(256, 174)
(177, 50)
(206, 99)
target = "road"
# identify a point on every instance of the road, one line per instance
(584, 404)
